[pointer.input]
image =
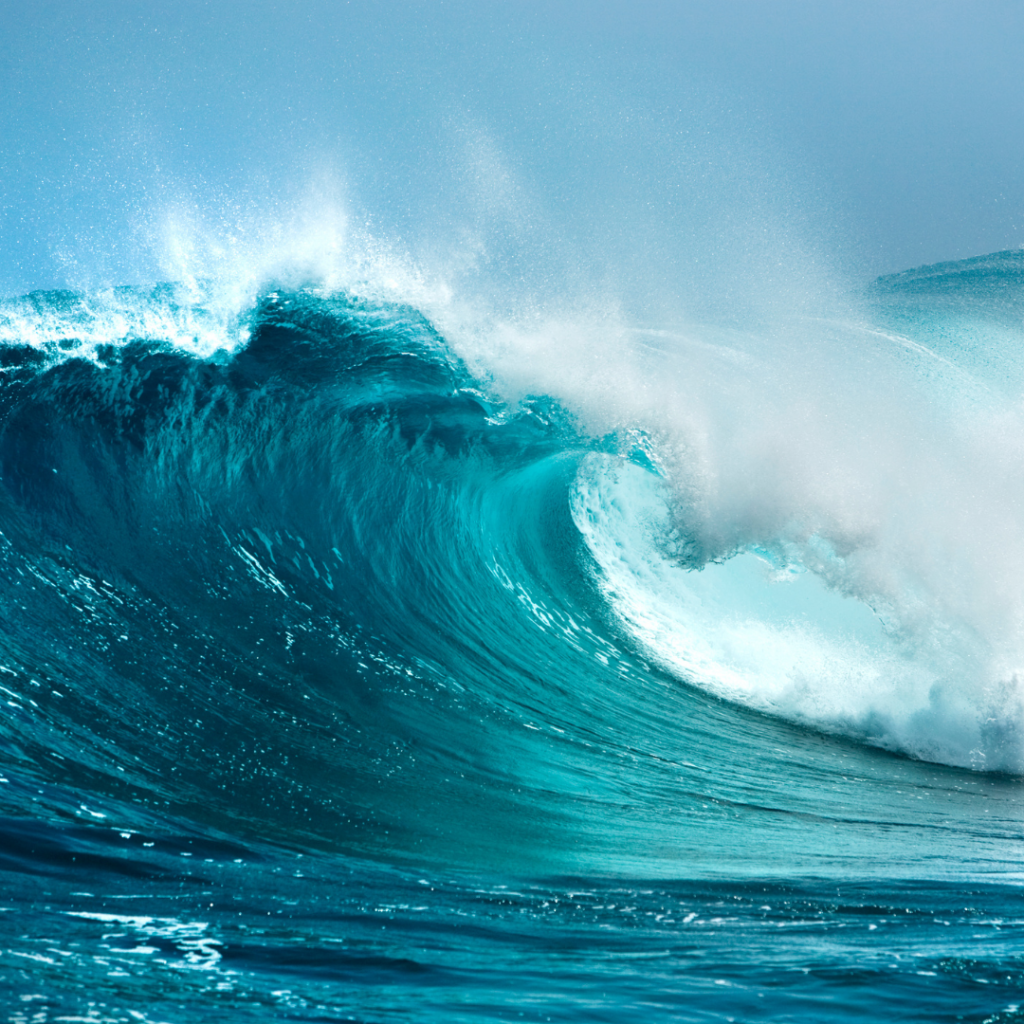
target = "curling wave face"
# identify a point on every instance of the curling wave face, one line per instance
(315, 573)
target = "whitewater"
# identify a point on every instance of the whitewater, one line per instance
(375, 651)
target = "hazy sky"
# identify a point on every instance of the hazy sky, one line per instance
(885, 135)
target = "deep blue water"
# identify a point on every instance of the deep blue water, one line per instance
(344, 680)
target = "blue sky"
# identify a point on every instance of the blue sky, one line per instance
(877, 135)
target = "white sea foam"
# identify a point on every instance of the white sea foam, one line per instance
(835, 537)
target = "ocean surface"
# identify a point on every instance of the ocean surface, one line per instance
(353, 669)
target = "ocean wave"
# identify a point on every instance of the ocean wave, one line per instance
(309, 569)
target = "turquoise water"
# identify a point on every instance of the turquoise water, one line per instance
(356, 669)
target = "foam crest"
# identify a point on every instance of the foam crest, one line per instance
(216, 263)
(84, 325)
(834, 535)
